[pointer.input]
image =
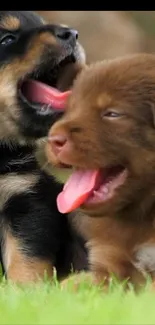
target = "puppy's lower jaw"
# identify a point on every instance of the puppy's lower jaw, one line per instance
(107, 186)
(90, 188)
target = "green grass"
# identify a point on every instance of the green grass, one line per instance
(48, 304)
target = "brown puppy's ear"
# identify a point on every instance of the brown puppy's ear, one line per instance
(152, 109)
(68, 75)
(146, 110)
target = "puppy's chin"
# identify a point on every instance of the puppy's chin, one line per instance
(68, 75)
(102, 209)
(129, 196)
(108, 207)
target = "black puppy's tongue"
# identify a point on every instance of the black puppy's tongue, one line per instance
(38, 92)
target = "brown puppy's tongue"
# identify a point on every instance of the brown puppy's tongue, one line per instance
(38, 92)
(77, 189)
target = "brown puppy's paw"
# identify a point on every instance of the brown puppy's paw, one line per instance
(152, 286)
(77, 281)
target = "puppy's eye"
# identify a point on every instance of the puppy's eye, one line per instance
(111, 114)
(7, 39)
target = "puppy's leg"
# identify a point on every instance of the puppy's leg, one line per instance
(32, 237)
(90, 278)
(19, 266)
(76, 280)
(104, 265)
(113, 263)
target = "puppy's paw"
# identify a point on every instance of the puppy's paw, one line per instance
(152, 287)
(77, 281)
(83, 280)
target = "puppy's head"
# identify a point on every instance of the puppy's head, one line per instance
(108, 136)
(36, 60)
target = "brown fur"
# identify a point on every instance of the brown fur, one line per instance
(120, 233)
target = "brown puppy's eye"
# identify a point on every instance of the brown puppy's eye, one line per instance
(111, 114)
(7, 39)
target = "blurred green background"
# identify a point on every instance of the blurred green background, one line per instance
(107, 34)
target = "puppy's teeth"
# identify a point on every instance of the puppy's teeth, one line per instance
(105, 190)
(98, 194)
(43, 108)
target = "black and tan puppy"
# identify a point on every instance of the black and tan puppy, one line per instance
(36, 60)
(108, 136)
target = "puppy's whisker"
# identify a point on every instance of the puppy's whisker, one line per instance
(45, 165)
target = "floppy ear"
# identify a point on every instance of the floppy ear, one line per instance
(152, 110)
(147, 109)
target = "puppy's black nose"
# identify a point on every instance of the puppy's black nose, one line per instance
(66, 35)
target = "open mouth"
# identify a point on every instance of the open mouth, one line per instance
(90, 187)
(39, 89)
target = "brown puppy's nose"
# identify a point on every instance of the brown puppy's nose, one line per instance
(57, 143)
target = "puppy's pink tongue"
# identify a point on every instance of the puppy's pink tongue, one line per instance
(77, 189)
(38, 92)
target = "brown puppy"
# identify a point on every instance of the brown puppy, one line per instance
(108, 135)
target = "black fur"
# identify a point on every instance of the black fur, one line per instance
(32, 217)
